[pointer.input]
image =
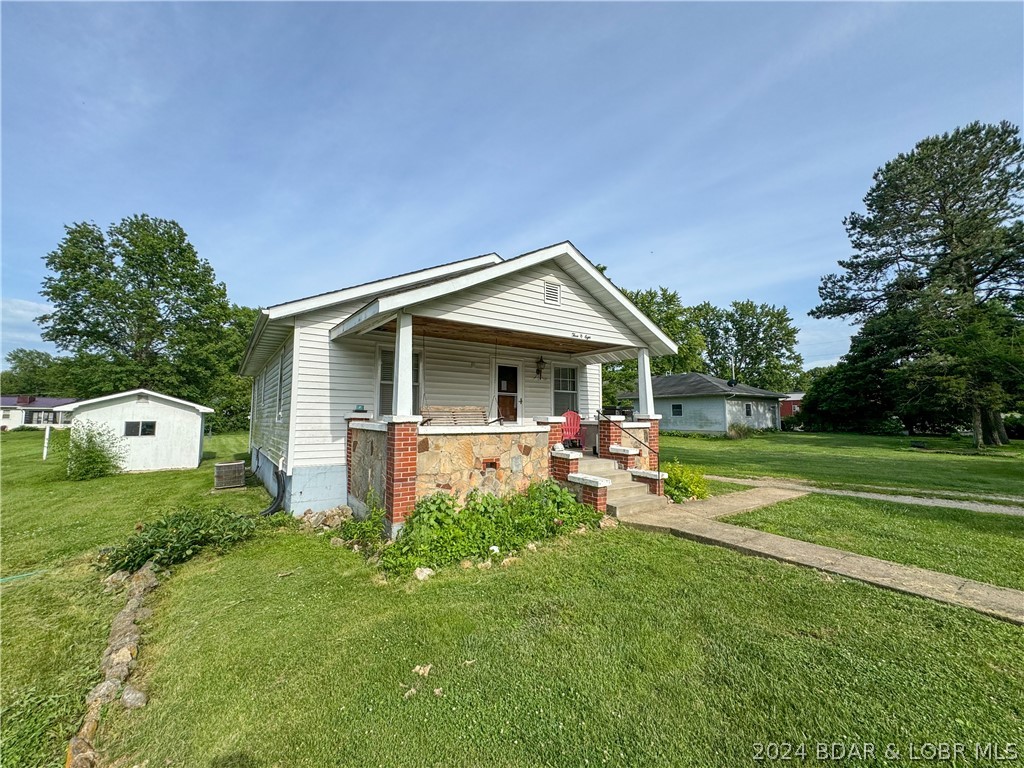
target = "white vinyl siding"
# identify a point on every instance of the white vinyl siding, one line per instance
(270, 413)
(763, 414)
(336, 377)
(691, 414)
(517, 302)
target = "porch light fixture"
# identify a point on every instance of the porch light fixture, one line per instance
(541, 365)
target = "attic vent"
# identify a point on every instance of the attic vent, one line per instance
(552, 294)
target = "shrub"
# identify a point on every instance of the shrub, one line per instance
(740, 431)
(684, 482)
(1014, 425)
(792, 423)
(180, 535)
(439, 532)
(366, 531)
(89, 450)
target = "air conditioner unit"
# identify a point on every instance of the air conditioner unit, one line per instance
(228, 474)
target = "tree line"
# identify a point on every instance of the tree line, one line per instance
(136, 306)
(935, 283)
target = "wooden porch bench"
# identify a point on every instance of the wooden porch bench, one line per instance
(455, 416)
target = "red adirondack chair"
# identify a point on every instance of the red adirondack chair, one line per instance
(571, 430)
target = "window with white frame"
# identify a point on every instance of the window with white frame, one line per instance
(677, 409)
(566, 390)
(386, 383)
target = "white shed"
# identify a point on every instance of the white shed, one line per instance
(159, 431)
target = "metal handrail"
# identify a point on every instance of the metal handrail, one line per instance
(645, 445)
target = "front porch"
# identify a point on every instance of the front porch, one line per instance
(396, 460)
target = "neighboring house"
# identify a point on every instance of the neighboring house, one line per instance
(341, 379)
(32, 411)
(159, 431)
(792, 404)
(696, 402)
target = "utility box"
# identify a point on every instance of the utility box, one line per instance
(228, 474)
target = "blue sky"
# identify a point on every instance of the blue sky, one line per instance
(710, 148)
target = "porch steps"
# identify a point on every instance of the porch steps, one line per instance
(626, 496)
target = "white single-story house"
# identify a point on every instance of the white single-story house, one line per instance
(697, 402)
(32, 411)
(449, 378)
(159, 431)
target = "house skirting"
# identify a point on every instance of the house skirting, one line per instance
(308, 487)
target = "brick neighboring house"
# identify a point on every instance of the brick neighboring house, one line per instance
(32, 411)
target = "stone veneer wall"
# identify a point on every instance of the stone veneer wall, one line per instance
(643, 461)
(454, 463)
(367, 460)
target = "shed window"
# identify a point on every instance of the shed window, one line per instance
(140, 429)
(386, 383)
(677, 409)
(566, 390)
(552, 294)
(748, 409)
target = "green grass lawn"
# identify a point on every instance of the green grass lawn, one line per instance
(55, 623)
(617, 648)
(855, 461)
(975, 545)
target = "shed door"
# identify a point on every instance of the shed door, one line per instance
(508, 392)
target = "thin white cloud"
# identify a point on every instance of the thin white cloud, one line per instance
(19, 328)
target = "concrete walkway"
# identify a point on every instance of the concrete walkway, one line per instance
(923, 501)
(999, 602)
(740, 501)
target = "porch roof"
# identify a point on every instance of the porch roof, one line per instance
(381, 312)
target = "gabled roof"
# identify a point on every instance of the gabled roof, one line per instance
(566, 255)
(11, 401)
(700, 385)
(273, 326)
(135, 392)
(387, 296)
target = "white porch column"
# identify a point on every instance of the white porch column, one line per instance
(644, 386)
(402, 396)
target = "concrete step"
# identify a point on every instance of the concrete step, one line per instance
(627, 492)
(594, 466)
(632, 506)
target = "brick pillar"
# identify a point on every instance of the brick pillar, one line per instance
(595, 497)
(400, 475)
(349, 439)
(609, 433)
(554, 425)
(653, 438)
(562, 466)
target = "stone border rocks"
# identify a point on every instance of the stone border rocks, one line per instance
(117, 663)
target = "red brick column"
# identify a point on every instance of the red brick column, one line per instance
(554, 425)
(562, 466)
(655, 485)
(653, 441)
(349, 439)
(595, 497)
(400, 475)
(609, 433)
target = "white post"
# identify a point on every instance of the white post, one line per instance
(402, 396)
(645, 387)
(46, 442)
